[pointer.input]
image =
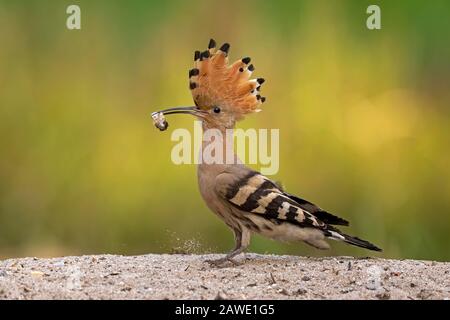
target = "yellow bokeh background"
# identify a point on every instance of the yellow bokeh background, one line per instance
(363, 118)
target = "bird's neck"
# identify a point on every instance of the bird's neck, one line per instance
(217, 150)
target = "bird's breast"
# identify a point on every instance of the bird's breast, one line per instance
(206, 175)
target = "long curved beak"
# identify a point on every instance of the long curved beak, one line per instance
(195, 111)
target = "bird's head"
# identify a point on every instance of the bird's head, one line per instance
(223, 93)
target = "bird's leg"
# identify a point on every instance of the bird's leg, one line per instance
(242, 239)
(238, 248)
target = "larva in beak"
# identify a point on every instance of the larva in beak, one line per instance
(160, 121)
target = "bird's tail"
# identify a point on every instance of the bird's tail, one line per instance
(335, 234)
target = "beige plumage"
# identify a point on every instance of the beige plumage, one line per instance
(245, 200)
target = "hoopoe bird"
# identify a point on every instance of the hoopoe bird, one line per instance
(247, 201)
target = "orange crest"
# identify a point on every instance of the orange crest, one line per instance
(215, 83)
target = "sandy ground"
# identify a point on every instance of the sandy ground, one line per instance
(190, 277)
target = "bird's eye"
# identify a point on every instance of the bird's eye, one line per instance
(216, 110)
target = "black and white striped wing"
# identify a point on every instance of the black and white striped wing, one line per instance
(256, 194)
(253, 193)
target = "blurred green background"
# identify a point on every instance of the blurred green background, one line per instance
(363, 117)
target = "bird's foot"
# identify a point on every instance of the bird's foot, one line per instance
(222, 262)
